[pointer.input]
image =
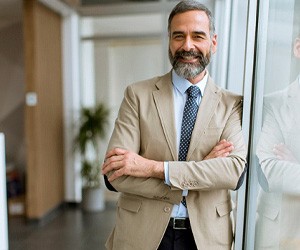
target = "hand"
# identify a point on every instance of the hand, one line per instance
(283, 153)
(124, 162)
(222, 149)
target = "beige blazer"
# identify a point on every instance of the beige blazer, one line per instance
(145, 124)
(278, 209)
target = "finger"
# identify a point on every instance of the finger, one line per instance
(116, 175)
(279, 152)
(109, 153)
(115, 165)
(111, 159)
(115, 151)
(110, 168)
(223, 144)
(279, 157)
(223, 155)
(224, 141)
(224, 151)
(285, 150)
(280, 146)
(219, 153)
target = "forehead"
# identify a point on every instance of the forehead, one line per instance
(191, 20)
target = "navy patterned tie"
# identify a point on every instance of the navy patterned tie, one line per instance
(188, 121)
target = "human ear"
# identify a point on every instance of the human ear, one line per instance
(297, 48)
(214, 43)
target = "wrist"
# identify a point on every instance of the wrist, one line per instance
(158, 170)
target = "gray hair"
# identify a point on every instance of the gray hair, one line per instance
(189, 5)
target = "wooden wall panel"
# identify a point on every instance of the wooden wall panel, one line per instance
(43, 122)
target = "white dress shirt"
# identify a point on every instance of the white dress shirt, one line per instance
(180, 85)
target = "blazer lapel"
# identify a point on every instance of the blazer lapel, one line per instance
(209, 102)
(163, 98)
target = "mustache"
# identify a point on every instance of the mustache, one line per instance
(182, 54)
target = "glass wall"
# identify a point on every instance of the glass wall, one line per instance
(274, 181)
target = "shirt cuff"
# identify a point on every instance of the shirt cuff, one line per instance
(167, 178)
(166, 168)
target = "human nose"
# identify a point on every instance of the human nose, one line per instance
(188, 44)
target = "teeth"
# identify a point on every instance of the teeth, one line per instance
(188, 57)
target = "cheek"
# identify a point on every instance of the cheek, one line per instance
(174, 47)
(204, 48)
(172, 51)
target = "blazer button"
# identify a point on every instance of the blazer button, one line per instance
(184, 184)
(167, 209)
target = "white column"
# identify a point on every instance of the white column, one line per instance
(88, 96)
(3, 199)
(71, 98)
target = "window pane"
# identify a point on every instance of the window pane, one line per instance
(278, 141)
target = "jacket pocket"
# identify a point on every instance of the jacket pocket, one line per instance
(131, 204)
(224, 208)
(267, 229)
(268, 211)
(221, 228)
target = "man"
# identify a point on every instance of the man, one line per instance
(170, 198)
(279, 173)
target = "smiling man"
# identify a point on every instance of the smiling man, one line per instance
(177, 148)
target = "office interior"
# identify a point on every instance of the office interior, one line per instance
(57, 56)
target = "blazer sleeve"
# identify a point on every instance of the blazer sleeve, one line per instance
(126, 135)
(217, 173)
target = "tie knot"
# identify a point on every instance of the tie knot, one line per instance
(193, 91)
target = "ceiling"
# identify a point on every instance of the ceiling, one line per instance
(89, 8)
(11, 10)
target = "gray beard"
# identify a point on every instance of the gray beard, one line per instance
(189, 70)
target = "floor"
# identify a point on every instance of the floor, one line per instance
(70, 229)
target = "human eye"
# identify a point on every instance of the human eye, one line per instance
(199, 36)
(178, 36)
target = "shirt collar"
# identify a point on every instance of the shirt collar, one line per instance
(182, 84)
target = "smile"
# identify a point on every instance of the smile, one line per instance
(188, 59)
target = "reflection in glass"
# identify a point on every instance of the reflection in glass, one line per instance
(278, 151)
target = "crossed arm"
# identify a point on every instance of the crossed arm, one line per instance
(283, 153)
(127, 163)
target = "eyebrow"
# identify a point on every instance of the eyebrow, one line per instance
(194, 32)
